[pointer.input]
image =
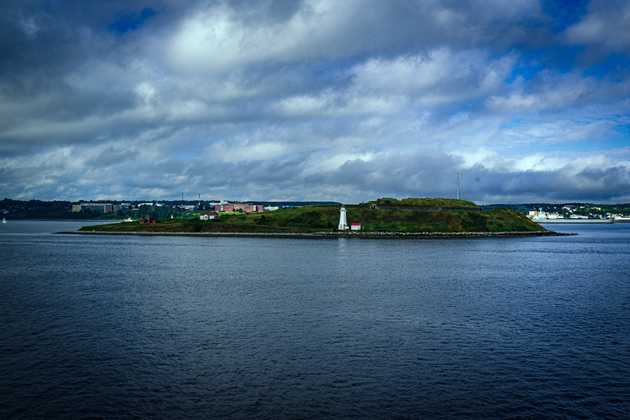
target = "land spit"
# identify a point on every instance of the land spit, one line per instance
(334, 235)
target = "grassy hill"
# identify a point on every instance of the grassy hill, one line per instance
(396, 216)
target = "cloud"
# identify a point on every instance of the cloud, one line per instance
(606, 25)
(313, 99)
(220, 37)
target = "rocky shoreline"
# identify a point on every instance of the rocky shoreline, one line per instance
(334, 235)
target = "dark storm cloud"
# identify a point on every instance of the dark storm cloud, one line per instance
(558, 185)
(437, 175)
(313, 99)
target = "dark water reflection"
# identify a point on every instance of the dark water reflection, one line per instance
(212, 327)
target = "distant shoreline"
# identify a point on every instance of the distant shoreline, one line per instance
(333, 235)
(58, 219)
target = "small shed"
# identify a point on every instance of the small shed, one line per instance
(355, 226)
(208, 216)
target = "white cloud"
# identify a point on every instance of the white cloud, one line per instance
(305, 104)
(332, 162)
(219, 38)
(440, 76)
(146, 93)
(29, 26)
(247, 152)
(547, 92)
(558, 131)
(439, 68)
(607, 24)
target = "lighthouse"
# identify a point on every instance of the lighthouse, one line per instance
(343, 221)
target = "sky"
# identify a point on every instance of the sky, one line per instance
(315, 99)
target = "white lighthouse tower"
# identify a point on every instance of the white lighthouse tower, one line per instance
(343, 222)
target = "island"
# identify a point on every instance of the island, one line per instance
(381, 218)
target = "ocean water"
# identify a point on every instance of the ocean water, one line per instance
(178, 327)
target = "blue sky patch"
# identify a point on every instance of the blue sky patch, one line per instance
(131, 21)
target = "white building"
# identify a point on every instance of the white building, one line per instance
(343, 221)
(578, 216)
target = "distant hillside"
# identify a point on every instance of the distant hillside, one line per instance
(35, 209)
(467, 218)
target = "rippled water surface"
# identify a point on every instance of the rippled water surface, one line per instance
(172, 327)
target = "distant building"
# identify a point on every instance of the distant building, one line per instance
(245, 208)
(249, 208)
(208, 216)
(542, 216)
(95, 207)
(355, 227)
(226, 208)
(239, 207)
(578, 216)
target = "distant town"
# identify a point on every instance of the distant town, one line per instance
(575, 213)
(212, 209)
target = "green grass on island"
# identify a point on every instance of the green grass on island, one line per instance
(383, 215)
